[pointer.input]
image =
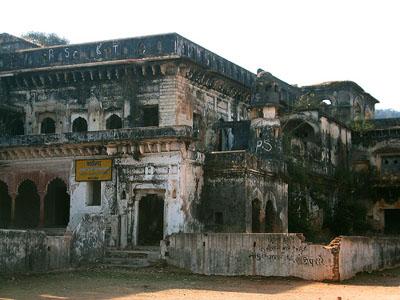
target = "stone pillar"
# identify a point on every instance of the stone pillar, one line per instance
(13, 196)
(42, 194)
(135, 221)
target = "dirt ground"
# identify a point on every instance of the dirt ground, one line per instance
(171, 283)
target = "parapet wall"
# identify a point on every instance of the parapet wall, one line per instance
(280, 255)
(34, 251)
(365, 254)
(251, 254)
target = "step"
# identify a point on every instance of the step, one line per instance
(150, 254)
(54, 231)
(126, 262)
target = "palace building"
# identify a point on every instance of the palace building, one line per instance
(134, 139)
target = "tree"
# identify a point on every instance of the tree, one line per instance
(45, 39)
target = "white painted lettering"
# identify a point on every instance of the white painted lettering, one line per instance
(98, 51)
(115, 46)
(66, 51)
(51, 54)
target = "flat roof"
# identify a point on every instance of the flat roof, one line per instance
(169, 45)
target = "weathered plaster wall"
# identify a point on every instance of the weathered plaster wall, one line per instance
(88, 240)
(251, 254)
(34, 251)
(281, 255)
(22, 251)
(365, 254)
(79, 197)
(233, 179)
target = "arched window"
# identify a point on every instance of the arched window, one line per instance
(255, 216)
(269, 217)
(79, 125)
(27, 205)
(114, 122)
(5, 206)
(56, 204)
(48, 125)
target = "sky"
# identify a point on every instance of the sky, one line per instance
(300, 41)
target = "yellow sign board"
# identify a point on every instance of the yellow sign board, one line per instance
(93, 170)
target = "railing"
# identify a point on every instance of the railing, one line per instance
(138, 133)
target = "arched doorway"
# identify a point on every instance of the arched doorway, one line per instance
(114, 122)
(56, 204)
(5, 206)
(27, 205)
(79, 125)
(48, 125)
(269, 217)
(151, 220)
(255, 216)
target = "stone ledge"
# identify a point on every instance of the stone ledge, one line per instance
(128, 134)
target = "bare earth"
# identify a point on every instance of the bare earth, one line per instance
(171, 283)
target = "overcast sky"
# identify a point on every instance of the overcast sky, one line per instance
(301, 42)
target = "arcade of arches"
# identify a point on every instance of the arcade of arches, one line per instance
(31, 209)
(262, 220)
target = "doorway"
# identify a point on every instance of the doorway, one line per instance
(269, 217)
(392, 221)
(255, 216)
(151, 220)
(56, 204)
(27, 206)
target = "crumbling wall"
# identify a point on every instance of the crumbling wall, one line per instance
(22, 251)
(34, 251)
(284, 255)
(367, 254)
(88, 240)
(251, 254)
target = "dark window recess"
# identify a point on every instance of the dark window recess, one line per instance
(196, 124)
(150, 116)
(48, 126)
(391, 165)
(56, 204)
(27, 206)
(219, 218)
(94, 193)
(114, 122)
(255, 216)
(79, 125)
(269, 217)
(5, 206)
(16, 127)
(392, 221)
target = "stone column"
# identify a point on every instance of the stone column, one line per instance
(42, 194)
(13, 196)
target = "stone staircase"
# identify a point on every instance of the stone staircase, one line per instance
(137, 257)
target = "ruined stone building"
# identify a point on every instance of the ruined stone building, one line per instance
(143, 137)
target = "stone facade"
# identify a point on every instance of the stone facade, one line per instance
(197, 144)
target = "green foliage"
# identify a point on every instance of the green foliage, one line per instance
(351, 208)
(298, 214)
(307, 101)
(44, 39)
(362, 125)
